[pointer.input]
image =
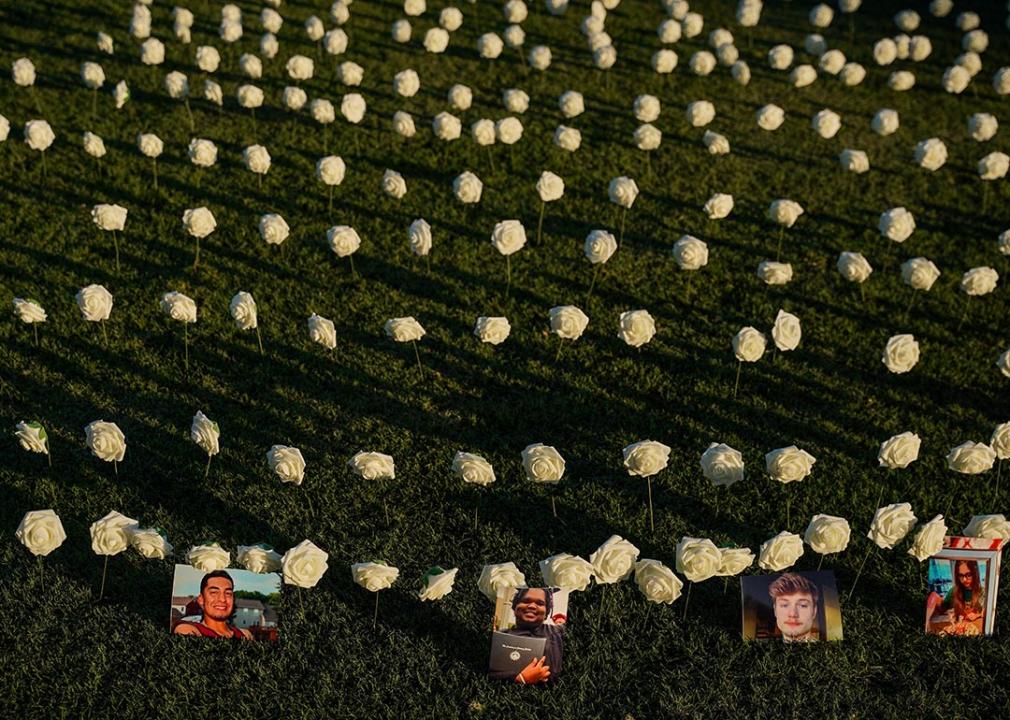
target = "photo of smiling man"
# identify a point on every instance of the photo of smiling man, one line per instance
(794, 607)
(234, 604)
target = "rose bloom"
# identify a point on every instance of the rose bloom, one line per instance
(749, 345)
(690, 253)
(664, 61)
(722, 465)
(901, 81)
(700, 113)
(919, 273)
(715, 143)
(899, 451)
(568, 322)
(832, 62)
(896, 224)
(854, 161)
(719, 206)
(492, 330)
(467, 188)
(740, 72)
(931, 154)
(770, 117)
(803, 76)
(786, 332)
(901, 353)
(885, 122)
(403, 124)
(826, 123)
(637, 327)
(702, 63)
(979, 281)
(775, 273)
(567, 138)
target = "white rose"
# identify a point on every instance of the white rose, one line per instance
(568, 572)
(258, 558)
(919, 273)
(740, 72)
(41, 532)
(243, 310)
(23, 72)
(885, 122)
(460, 97)
(715, 143)
(95, 303)
(110, 534)
(885, 51)
(929, 540)
(207, 58)
(271, 20)
(403, 124)
(852, 74)
(956, 79)
(32, 437)
(540, 57)
(350, 73)
(300, 67)
(335, 41)
(967, 21)
(827, 534)
(826, 123)
(971, 458)
(698, 559)
(492, 330)
(92, 75)
(614, 560)
(330, 170)
(982, 127)
(152, 52)
(803, 76)
(690, 253)
(902, 46)
(273, 229)
(436, 40)
(256, 159)
(287, 463)
(473, 469)
(891, 524)
(393, 184)
(784, 212)
(352, 107)
(39, 135)
(29, 311)
(373, 466)
(199, 222)
(419, 237)
(212, 92)
(151, 543)
(669, 31)
(899, 451)
(622, 191)
(734, 561)
(718, 206)
(205, 433)
(994, 166)
(483, 132)
(770, 117)
(780, 552)
(775, 273)
(646, 108)
(854, 161)
(854, 267)
(599, 246)
(304, 564)
(571, 104)
(374, 576)
(515, 36)
(749, 344)
(722, 465)
(150, 144)
(498, 578)
(832, 62)
(322, 111)
(404, 329)
(550, 187)
(343, 240)
(202, 153)
(786, 332)
(93, 145)
(657, 582)
(567, 138)
(901, 81)
(1000, 441)
(542, 463)
(179, 307)
(509, 130)
(702, 63)
(208, 558)
(568, 322)
(897, 224)
(901, 353)
(437, 583)
(447, 126)
(451, 19)
(508, 236)
(322, 331)
(646, 458)
(109, 217)
(979, 281)
(748, 12)
(1001, 81)
(106, 441)
(789, 464)
(931, 154)
(780, 57)
(637, 327)
(988, 526)
(467, 188)
(490, 46)
(414, 8)
(700, 113)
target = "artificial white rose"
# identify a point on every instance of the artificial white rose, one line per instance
(700, 113)
(599, 246)
(473, 469)
(39, 135)
(331, 169)
(343, 240)
(436, 582)
(698, 559)
(110, 534)
(151, 543)
(404, 329)
(322, 111)
(896, 224)
(258, 558)
(931, 154)
(891, 524)
(205, 433)
(646, 108)
(614, 560)
(899, 451)
(23, 72)
(775, 273)
(956, 79)
(885, 51)
(419, 237)
(550, 187)
(322, 331)
(571, 104)
(509, 130)
(780, 552)
(451, 19)
(718, 206)
(715, 143)
(403, 124)
(304, 564)
(784, 212)
(994, 166)
(770, 117)
(885, 122)
(495, 579)
(854, 161)
(230, 31)
(436, 40)
(928, 541)
(1001, 81)
(374, 576)
(646, 458)
(406, 83)
(749, 344)
(95, 303)
(93, 145)
(300, 67)
(29, 311)
(657, 582)
(987, 526)
(826, 123)
(827, 534)
(786, 331)
(152, 52)
(803, 76)
(568, 322)
(208, 558)
(287, 463)
(373, 465)
(622, 191)
(483, 132)
(201, 152)
(568, 572)
(213, 92)
(702, 63)
(335, 41)
(789, 464)
(460, 97)
(722, 465)
(901, 353)
(690, 253)
(32, 437)
(256, 159)
(543, 464)
(92, 75)
(982, 127)
(1000, 441)
(447, 126)
(208, 59)
(467, 188)
(199, 222)
(740, 72)
(273, 229)
(105, 440)
(902, 46)
(243, 311)
(734, 561)
(109, 217)
(514, 36)
(832, 62)
(979, 281)
(251, 65)
(490, 46)
(150, 144)
(540, 57)
(393, 184)
(636, 328)
(567, 138)
(40, 531)
(901, 81)
(852, 74)
(664, 61)
(492, 330)
(179, 307)
(854, 267)
(401, 30)
(780, 57)
(508, 236)
(971, 458)
(352, 107)
(271, 20)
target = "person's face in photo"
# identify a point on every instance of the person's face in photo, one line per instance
(217, 599)
(963, 575)
(795, 615)
(531, 610)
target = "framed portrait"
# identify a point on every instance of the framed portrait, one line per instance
(961, 585)
(527, 635)
(232, 603)
(791, 607)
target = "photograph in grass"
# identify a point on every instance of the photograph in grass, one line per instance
(230, 603)
(527, 639)
(961, 582)
(792, 607)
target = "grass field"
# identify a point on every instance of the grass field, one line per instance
(68, 656)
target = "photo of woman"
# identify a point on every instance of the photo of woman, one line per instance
(961, 609)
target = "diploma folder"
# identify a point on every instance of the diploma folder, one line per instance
(511, 653)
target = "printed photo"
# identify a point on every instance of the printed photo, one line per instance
(961, 584)
(791, 607)
(231, 603)
(526, 641)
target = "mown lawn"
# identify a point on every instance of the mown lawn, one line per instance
(67, 656)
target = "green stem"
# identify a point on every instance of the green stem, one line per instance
(652, 524)
(592, 284)
(420, 368)
(540, 222)
(259, 339)
(105, 567)
(115, 244)
(736, 385)
(185, 344)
